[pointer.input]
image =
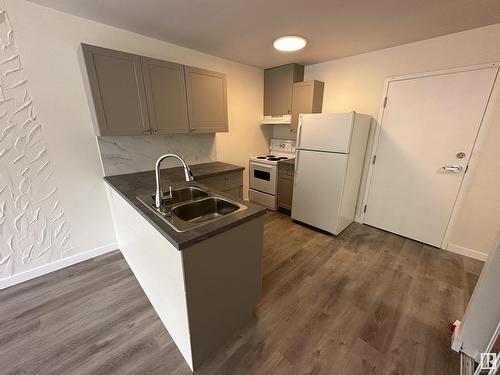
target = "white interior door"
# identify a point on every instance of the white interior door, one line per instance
(428, 123)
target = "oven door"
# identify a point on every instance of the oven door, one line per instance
(263, 177)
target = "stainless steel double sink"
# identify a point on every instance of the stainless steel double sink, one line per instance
(190, 207)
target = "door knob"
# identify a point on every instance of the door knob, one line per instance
(453, 168)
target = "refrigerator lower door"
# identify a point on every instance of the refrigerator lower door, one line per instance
(317, 192)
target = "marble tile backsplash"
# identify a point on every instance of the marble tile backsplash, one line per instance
(127, 154)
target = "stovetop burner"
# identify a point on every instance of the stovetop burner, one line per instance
(272, 157)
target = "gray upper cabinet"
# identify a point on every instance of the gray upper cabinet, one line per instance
(166, 96)
(307, 97)
(133, 95)
(117, 91)
(207, 102)
(278, 84)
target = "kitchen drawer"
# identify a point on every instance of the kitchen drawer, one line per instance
(226, 181)
(285, 169)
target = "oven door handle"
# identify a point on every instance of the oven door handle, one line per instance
(262, 166)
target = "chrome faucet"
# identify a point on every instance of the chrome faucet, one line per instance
(159, 192)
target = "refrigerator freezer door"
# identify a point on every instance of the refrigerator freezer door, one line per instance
(330, 132)
(317, 194)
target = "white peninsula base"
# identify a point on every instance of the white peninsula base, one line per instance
(204, 293)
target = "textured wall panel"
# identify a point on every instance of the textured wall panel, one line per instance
(33, 227)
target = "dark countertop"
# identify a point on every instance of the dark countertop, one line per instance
(132, 184)
(209, 169)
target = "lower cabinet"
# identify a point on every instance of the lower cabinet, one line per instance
(230, 183)
(285, 186)
(235, 192)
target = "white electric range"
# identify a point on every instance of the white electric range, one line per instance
(263, 173)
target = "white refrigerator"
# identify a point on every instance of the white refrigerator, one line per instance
(329, 158)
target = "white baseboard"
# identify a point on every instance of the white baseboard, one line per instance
(57, 265)
(358, 219)
(467, 252)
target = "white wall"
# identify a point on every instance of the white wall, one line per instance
(34, 229)
(283, 132)
(356, 83)
(48, 42)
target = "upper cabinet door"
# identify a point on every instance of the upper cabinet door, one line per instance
(278, 84)
(117, 90)
(166, 96)
(207, 103)
(307, 97)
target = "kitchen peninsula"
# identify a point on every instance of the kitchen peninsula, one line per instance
(203, 282)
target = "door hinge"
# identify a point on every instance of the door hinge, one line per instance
(385, 102)
(364, 209)
(374, 158)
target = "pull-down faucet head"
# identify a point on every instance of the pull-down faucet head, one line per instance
(159, 191)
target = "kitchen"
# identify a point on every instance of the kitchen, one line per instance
(295, 257)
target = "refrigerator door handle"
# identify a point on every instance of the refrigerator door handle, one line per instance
(296, 167)
(299, 131)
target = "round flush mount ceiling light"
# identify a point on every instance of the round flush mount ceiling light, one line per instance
(289, 43)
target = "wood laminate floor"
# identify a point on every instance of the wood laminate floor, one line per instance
(365, 302)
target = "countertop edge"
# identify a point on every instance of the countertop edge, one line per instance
(183, 245)
(213, 174)
(229, 168)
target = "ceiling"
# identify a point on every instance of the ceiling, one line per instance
(243, 30)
